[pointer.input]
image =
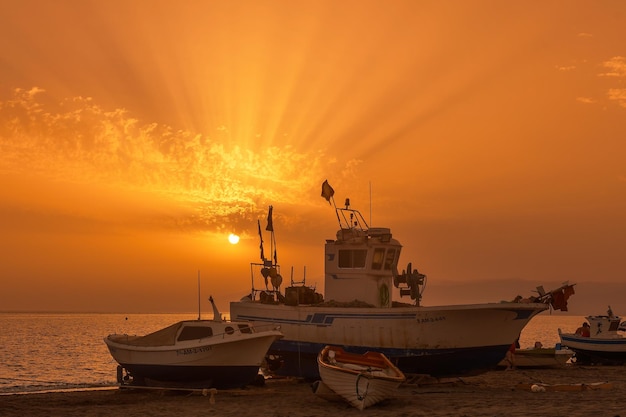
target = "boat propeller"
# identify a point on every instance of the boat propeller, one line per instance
(413, 280)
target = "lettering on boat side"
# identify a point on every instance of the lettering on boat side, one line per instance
(431, 319)
(191, 351)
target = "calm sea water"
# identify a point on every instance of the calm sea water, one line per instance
(41, 352)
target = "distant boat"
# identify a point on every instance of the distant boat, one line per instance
(204, 353)
(606, 343)
(359, 313)
(362, 380)
(541, 357)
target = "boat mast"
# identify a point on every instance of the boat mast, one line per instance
(198, 294)
(370, 203)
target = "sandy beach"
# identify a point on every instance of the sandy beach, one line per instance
(496, 393)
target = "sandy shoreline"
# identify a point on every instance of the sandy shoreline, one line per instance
(496, 393)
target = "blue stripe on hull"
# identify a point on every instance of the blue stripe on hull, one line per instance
(223, 377)
(290, 358)
(596, 350)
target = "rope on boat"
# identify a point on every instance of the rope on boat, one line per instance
(358, 395)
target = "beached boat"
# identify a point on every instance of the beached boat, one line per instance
(360, 315)
(361, 379)
(605, 343)
(541, 357)
(204, 353)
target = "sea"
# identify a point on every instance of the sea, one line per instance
(50, 352)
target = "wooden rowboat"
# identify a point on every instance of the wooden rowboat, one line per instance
(361, 380)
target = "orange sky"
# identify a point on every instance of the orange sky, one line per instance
(136, 135)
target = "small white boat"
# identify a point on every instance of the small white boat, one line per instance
(605, 343)
(204, 353)
(361, 379)
(541, 357)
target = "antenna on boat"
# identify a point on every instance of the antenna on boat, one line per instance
(198, 294)
(370, 203)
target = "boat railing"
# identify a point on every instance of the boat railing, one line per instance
(350, 219)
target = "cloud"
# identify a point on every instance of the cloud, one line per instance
(616, 67)
(585, 100)
(619, 95)
(209, 181)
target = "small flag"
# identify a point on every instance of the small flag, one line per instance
(327, 191)
(261, 237)
(270, 224)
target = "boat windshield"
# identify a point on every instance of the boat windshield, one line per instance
(195, 332)
(245, 328)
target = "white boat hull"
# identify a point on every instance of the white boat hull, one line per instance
(360, 390)
(609, 350)
(444, 340)
(232, 361)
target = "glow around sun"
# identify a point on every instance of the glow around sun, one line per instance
(233, 239)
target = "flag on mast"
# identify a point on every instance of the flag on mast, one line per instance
(270, 224)
(327, 191)
(261, 237)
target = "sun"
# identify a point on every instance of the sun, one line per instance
(233, 239)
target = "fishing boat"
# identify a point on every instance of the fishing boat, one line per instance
(361, 379)
(359, 312)
(540, 357)
(193, 353)
(605, 343)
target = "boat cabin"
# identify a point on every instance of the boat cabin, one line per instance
(604, 327)
(361, 263)
(184, 331)
(360, 267)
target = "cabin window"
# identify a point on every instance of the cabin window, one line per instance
(193, 333)
(244, 328)
(390, 258)
(377, 259)
(229, 330)
(352, 258)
